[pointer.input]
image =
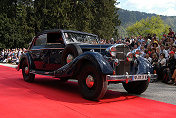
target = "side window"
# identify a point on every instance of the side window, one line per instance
(68, 37)
(41, 40)
(55, 38)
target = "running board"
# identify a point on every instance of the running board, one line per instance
(42, 72)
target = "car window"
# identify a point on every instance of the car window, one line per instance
(55, 38)
(68, 38)
(41, 40)
(77, 37)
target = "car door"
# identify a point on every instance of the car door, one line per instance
(38, 52)
(55, 45)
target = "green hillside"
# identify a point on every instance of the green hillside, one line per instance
(130, 17)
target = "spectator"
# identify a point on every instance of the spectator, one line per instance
(142, 51)
(171, 66)
(174, 77)
(164, 51)
(161, 66)
(153, 51)
(174, 50)
(162, 60)
(174, 42)
(155, 44)
(171, 33)
(154, 59)
(148, 58)
(158, 51)
(11, 55)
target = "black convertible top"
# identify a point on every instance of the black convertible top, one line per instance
(61, 30)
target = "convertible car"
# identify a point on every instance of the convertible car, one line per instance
(67, 54)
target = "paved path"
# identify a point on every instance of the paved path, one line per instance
(156, 91)
(8, 65)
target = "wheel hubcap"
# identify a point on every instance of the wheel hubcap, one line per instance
(26, 70)
(69, 58)
(89, 81)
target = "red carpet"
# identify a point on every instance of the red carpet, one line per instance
(48, 98)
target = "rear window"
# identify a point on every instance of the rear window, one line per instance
(54, 38)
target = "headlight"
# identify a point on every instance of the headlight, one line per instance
(129, 56)
(113, 51)
(116, 62)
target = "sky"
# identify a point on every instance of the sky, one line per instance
(160, 7)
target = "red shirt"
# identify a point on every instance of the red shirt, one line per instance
(171, 34)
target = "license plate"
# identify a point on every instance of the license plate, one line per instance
(140, 77)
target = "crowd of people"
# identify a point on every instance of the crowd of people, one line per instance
(11, 55)
(161, 53)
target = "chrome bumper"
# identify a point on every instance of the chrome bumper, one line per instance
(130, 78)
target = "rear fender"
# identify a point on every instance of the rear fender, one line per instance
(26, 56)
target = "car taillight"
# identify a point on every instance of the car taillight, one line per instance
(113, 51)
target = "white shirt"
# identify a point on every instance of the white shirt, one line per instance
(165, 52)
(2, 53)
(149, 59)
(162, 62)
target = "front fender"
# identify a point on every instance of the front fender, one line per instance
(98, 60)
(88, 57)
(26, 56)
(144, 66)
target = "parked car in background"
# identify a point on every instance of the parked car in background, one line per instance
(67, 54)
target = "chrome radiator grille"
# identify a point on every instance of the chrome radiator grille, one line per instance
(121, 52)
(124, 65)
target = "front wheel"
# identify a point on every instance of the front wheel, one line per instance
(92, 82)
(28, 77)
(137, 87)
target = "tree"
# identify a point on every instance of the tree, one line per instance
(106, 18)
(4, 26)
(8, 7)
(20, 20)
(53, 14)
(25, 22)
(93, 16)
(15, 23)
(153, 25)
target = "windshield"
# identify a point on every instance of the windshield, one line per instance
(80, 38)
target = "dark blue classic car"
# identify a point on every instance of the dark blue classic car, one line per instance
(67, 54)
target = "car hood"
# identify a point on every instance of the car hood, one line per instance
(103, 47)
(92, 46)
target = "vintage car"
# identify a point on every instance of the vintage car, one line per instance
(67, 54)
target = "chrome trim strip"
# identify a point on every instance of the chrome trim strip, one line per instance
(93, 48)
(47, 49)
